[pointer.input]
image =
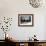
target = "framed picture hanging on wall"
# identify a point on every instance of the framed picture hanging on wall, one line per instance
(25, 20)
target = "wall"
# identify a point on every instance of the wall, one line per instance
(11, 8)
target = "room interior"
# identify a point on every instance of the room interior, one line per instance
(22, 23)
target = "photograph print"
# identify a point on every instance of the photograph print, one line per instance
(25, 19)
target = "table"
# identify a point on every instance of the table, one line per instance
(27, 42)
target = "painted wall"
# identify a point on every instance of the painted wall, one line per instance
(11, 8)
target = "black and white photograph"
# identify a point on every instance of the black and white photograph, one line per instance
(25, 19)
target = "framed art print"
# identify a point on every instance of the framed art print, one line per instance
(25, 20)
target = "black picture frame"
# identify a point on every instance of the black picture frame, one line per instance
(26, 20)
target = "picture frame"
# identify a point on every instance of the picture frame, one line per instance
(25, 20)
